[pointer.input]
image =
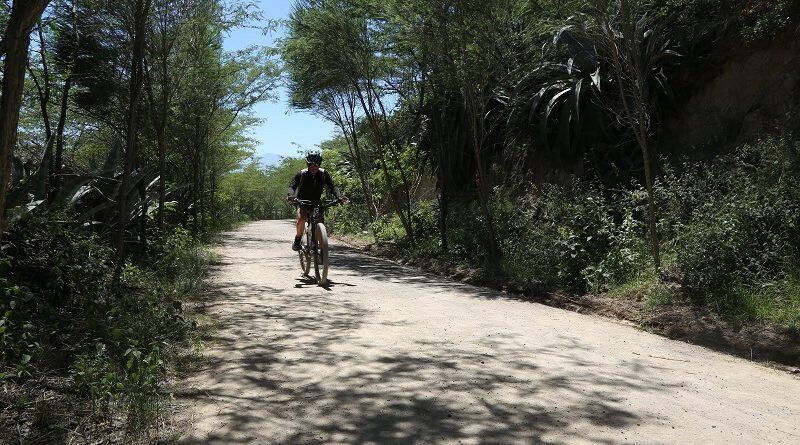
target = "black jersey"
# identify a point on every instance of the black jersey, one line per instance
(307, 185)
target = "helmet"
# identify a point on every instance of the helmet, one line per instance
(314, 158)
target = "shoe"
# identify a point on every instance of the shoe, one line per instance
(296, 245)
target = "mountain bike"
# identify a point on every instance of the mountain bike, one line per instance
(314, 243)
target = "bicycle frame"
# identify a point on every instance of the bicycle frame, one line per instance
(317, 213)
(311, 247)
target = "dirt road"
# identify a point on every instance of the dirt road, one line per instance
(389, 355)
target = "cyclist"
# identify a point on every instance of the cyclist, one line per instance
(308, 184)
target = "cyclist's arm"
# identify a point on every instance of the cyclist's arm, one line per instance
(293, 185)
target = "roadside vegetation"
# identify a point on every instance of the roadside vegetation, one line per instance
(552, 144)
(130, 153)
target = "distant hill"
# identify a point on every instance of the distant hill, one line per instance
(270, 158)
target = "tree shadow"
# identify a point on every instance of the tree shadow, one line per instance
(294, 369)
(292, 366)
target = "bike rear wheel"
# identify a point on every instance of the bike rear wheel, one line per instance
(305, 254)
(321, 255)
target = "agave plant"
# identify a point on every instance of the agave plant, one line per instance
(557, 106)
(568, 108)
(91, 197)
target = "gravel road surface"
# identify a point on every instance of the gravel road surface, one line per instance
(391, 355)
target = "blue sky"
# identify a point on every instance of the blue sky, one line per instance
(283, 132)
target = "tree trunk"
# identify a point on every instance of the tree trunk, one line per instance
(651, 206)
(438, 129)
(202, 195)
(142, 8)
(443, 210)
(476, 113)
(62, 117)
(159, 114)
(347, 123)
(62, 120)
(634, 110)
(24, 13)
(369, 112)
(363, 176)
(162, 147)
(44, 189)
(143, 216)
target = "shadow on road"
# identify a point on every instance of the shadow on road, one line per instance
(313, 375)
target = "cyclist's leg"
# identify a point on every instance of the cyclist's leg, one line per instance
(301, 221)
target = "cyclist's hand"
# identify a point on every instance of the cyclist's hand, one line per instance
(344, 199)
(291, 199)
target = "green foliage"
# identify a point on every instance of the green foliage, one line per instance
(764, 19)
(739, 222)
(18, 342)
(58, 312)
(355, 216)
(351, 218)
(94, 374)
(731, 229)
(55, 278)
(750, 20)
(244, 195)
(577, 237)
(388, 228)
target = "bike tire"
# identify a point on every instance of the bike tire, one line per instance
(321, 255)
(305, 254)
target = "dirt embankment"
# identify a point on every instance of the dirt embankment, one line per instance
(736, 97)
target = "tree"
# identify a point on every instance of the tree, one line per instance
(212, 103)
(626, 39)
(456, 52)
(171, 16)
(338, 63)
(140, 17)
(24, 15)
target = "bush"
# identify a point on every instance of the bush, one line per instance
(747, 232)
(574, 237)
(179, 262)
(466, 232)
(55, 286)
(60, 316)
(388, 228)
(350, 218)
(18, 340)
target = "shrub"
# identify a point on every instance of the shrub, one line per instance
(745, 232)
(466, 232)
(388, 228)
(350, 218)
(179, 262)
(54, 287)
(18, 342)
(574, 237)
(59, 315)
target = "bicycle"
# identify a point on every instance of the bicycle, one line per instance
(314, 243)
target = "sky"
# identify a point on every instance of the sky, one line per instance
(282, 132)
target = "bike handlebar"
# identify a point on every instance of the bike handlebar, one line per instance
(324, 204)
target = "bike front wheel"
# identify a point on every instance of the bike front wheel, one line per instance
(321, 255)
(305, 254)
